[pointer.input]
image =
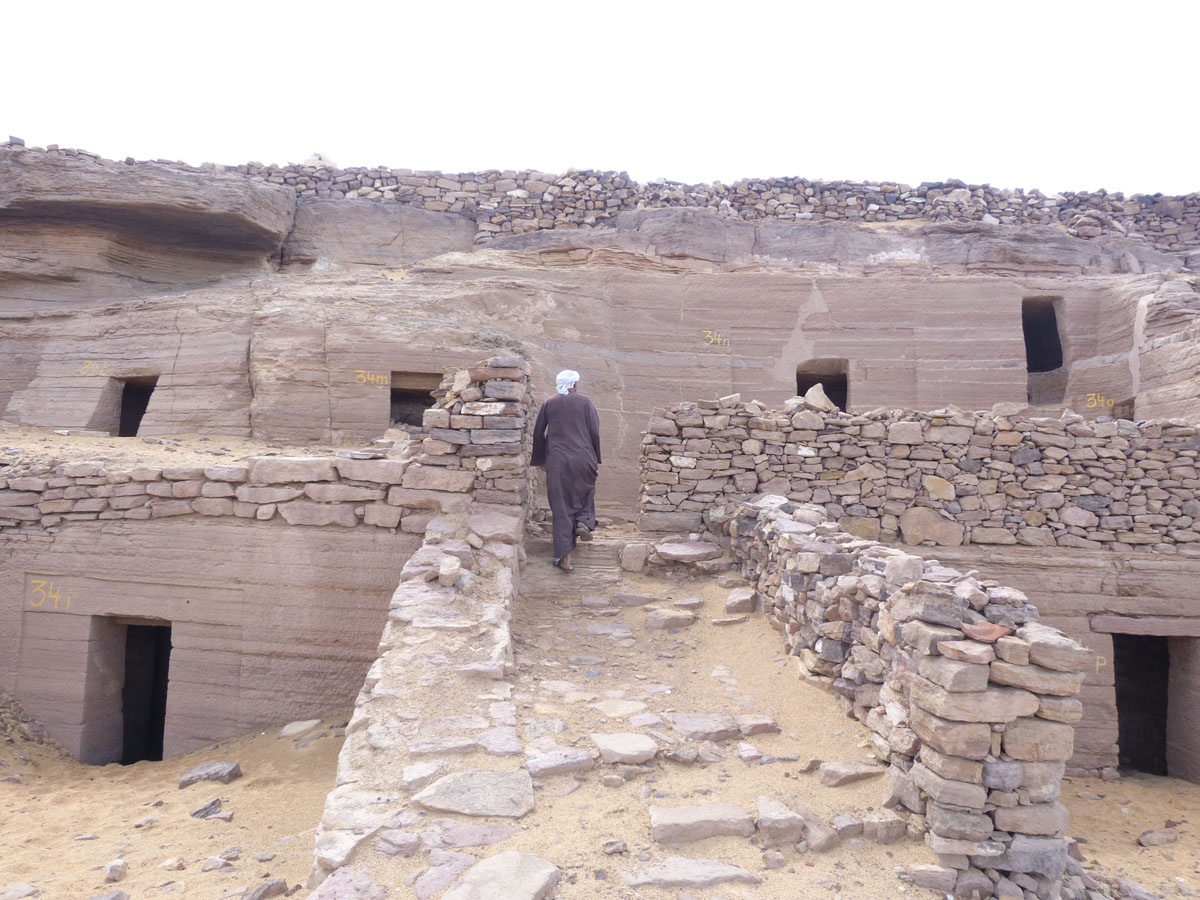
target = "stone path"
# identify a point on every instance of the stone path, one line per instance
(655, 744)
(642, 751)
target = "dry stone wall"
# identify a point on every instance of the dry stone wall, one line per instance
(513, 202)
(447, 637)
(970, 700)
(472, 452)
(949, 478)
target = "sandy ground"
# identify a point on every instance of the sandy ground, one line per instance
(47, 800)
(56, 801)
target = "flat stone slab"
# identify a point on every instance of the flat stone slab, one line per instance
(616, 709)
(612, 629)
(223, 772)
(506, 876)
(348, 883)
(704, 726)
(559, 762)
(479, 792)
(689, 873)
(682, 824)
(295, 729)
(756, 723)
(740, 600)
(835, 774)
(628, 599)
(625, 748)
(662, 619)
(691, 552)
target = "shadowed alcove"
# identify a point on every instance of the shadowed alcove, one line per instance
(831, 374)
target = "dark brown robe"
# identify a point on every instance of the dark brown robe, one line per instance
(566, 440)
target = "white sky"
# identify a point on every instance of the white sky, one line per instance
(1055, 94)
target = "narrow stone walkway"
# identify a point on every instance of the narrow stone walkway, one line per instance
(648, 743)
(647, 726)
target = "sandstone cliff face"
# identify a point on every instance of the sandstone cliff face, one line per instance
(260, 317)
(73, 228)
(952, 247)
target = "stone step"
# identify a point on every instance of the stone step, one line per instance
(596, 570)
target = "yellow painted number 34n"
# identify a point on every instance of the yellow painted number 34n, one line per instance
(43, 590)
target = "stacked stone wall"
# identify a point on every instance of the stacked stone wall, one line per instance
(977, 730)
(447, 633)
(946, 477)
(513, 202)
(477, 457)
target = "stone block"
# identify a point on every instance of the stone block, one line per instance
(381, 515)
(1037, 679)
(1060, 709)
(306, 512)
(926, 638)
(954, 675)
(422, 499)
(213, 506)
(1037, 818)
(223, 473)
(1034, 855)
(255, 493)
(740, 600)
(905, 433)
(634, 555)
(919, 523)
(957, 823)
(969, 740)
(1052, 649)
(287, 469)
(379, 471)
(948, 792)
(683, 824)
(437, 478)
(996, 704)
(1012, 650)
(778, 824)
(1039, 740)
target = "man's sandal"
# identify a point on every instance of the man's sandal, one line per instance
(582, 532)
(558, 564)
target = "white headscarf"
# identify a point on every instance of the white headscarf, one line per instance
(566, 379)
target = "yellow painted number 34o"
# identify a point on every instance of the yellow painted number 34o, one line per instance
(43, 590)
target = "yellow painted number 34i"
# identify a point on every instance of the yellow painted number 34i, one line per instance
(43, 591)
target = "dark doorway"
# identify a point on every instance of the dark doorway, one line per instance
(135, 397)
(1141, 668)
(411, 396)
(1043, 346)
(144, 696)
(831, 374)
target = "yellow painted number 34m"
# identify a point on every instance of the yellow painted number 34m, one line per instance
(42, 590)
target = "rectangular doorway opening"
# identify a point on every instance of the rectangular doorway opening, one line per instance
(1142, 668)
(144, 695)
(411, 396)
(830, 374)
(135, 397)
(1043, 350)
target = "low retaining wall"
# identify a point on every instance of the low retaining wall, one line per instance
(948, 478)
(470, 454)
(976, 730)
(447, 634)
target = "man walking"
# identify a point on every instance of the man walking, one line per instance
(566, 442)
